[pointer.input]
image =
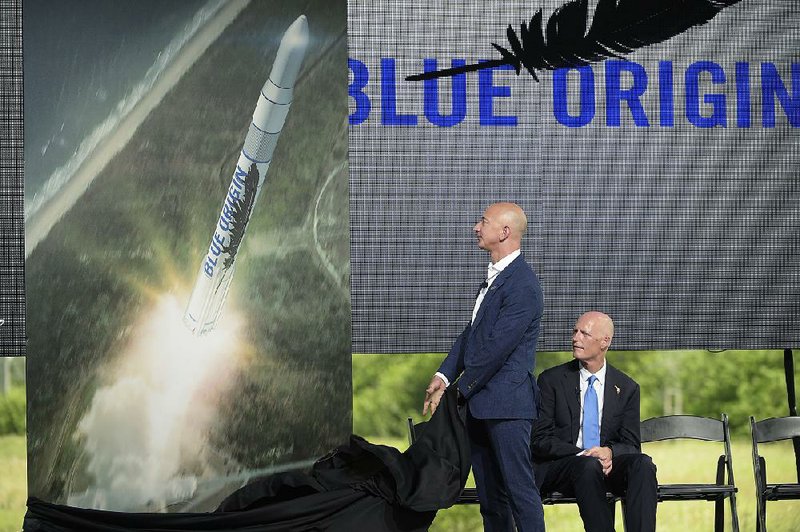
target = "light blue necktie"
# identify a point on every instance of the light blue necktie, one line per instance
(591, 421)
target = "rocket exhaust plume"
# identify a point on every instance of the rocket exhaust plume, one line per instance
(217, 268)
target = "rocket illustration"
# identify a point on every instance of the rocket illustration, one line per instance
(217, 267)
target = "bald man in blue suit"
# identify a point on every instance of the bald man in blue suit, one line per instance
(492, 364)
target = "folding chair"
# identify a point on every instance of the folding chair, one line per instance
(698, 428)
(770, 430)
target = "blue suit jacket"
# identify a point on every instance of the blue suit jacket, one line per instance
(496, 354)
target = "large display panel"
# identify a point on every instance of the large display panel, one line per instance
(661, 186)
(12, 238)
(135, 116)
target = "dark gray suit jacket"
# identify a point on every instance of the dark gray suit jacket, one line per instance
(556, 429)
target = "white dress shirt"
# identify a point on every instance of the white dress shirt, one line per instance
(599, 388)
(492, 271)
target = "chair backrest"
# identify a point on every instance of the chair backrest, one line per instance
(775, 428)
(694, 427)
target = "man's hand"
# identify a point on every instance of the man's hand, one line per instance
(603, 454)
(433, 394)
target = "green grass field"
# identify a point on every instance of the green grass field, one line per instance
(13, 482)
(677, 462)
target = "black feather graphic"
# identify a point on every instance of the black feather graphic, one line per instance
(618, 27)
(240, 215)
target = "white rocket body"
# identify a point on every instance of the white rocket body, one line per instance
(217, 268)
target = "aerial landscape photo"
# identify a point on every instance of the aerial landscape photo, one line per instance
(129, 158)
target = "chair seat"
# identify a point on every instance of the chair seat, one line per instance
(666, 492)
(470, 496)
(558, 498)
(776, 492)
(694, 492)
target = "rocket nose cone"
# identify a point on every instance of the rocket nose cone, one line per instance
(290, 54)
(297, 33)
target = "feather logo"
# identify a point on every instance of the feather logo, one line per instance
(618, 27)
(617, 389)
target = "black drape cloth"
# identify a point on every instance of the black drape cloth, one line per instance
(357, 486)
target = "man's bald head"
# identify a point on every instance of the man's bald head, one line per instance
(513, 216)
(603, 322)
(500, 229)
(591, 338)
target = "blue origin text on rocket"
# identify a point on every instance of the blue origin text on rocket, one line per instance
(217, 268)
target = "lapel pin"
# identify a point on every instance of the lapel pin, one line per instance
(616, 388)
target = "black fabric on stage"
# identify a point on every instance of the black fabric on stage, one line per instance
(357, 486)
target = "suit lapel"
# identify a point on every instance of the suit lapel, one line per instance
(496, 284)
(572, 392)
(610, 399)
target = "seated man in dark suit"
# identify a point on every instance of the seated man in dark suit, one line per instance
(586, 440)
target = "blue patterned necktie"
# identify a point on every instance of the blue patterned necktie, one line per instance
(591, 417)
